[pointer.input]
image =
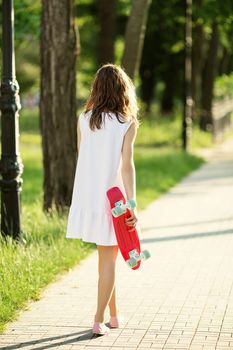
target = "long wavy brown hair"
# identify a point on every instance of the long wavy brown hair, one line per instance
(112, 91)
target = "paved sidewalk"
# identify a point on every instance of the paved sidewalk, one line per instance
(182, 298)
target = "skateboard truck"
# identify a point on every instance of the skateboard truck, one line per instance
(120, 207)
(134, 257)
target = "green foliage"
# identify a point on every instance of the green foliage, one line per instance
(159, 132)
(29, 121)
(164, 45)
(223, 87)
(88, 24)
(27, 66)
(215, 10)
(27, 21)
(201, 139)
(219, 11)
(164, 38)
(124, 7)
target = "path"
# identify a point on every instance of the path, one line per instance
(182, 298)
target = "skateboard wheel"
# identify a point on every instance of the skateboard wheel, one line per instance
(117, 211)
(145, 254)
(119, 203)
(134, 254)
(132, 203)
(132, 262)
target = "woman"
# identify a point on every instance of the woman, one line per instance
(106, 134)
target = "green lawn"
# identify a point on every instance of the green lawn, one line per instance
(26, 269)
(160, 169)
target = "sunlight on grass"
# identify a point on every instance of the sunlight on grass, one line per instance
(160, 169)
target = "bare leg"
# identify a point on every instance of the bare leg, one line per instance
(107, 263)
(112, 303)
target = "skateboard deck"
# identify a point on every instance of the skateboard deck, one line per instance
(128, 242)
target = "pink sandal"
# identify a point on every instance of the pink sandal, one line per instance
(115, 321)
(100, 328)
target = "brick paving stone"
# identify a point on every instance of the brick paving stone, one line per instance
(182, 298)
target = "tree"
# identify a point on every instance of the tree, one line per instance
(197, 54)
(170, 78)
(162, 55)
(134, 36)
(225, 61)
(147, 71)
(107, 19)
(58, 122)
(217, 20)
(187, 105)
(208, 76)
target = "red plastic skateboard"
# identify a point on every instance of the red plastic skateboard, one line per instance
(128, 242)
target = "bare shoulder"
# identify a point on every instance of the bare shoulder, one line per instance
(131, 132)
(128, 145)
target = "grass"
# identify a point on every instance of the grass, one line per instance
(160, 169)
(164, 131)
(26, 269)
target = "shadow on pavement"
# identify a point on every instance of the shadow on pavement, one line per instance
(187, 236)
(187, 224)
(77, 337)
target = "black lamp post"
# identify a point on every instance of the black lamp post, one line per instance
(11, 166)
(188, 101)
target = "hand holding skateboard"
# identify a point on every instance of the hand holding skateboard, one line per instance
(132, 220)
(121, 208)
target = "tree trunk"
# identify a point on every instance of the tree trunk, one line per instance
(187, 92)
(147, 73)
(208, 77)
(107, 18)
(58, 122)
(197, 59)
(224, 62)
(134, 37)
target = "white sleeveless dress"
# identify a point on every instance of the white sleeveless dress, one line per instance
(98, 169)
